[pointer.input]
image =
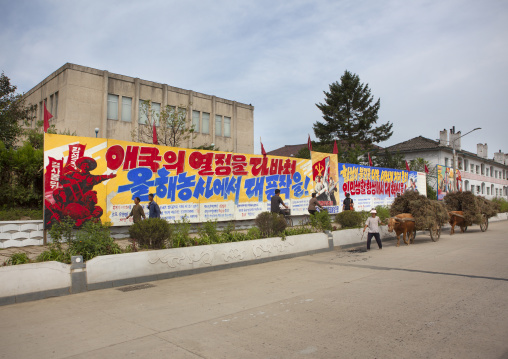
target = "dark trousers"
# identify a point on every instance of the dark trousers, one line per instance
(378, 239)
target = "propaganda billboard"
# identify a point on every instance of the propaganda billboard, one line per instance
(93, 178)
(445, 181)
(326, 180)
(373, 186)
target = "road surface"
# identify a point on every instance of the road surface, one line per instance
(447, 299)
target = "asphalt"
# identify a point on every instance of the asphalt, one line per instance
(446, 299)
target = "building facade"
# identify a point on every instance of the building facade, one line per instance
(82, 99)
(484, 176)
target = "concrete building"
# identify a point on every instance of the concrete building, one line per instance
(82, 99)
(484, 176)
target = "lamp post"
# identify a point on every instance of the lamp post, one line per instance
(96, 131)
(454, 160)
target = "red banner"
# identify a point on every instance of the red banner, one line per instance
(75, 152)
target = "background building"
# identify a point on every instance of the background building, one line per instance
(82, 99)
(480, 174)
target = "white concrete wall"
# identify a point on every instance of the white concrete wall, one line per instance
(21, 233)
(149, 263)
(354, 236)
(34, 277)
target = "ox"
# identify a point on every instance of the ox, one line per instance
(402, 223)
(457, 219)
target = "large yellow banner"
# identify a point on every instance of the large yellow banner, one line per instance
(92, 178)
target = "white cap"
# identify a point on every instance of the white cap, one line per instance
(373, 211)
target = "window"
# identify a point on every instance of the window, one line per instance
(112, 107)
(218, 125)
(477, 189)
(205, 119)
(143, 113)
(466, 165)
(488, 193)
(477, 170)
(472, 168)
(55, 113)
(483, 169)
(487, 172)
(156, 113)
(446, 161)
(126, 109)
(472, 189)
(51, 104)
(227, 126)
(40, 112)
(195, 120)
(497, 192)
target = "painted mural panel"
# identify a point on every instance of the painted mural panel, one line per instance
(88, 178)
(373, 186)
(326, 180)
(445, 181)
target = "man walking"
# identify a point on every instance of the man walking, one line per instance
(137, 211)
(153, 208)
(373, 223)
(313, 203)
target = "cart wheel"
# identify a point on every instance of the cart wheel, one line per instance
(485, 223)
(435, 233)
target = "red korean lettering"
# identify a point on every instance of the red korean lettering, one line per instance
(175, 161)
(259, 166)
(203, 162)
(149, 157)
(114, 157)
(131, 157)
(222, 164)
(239, 164)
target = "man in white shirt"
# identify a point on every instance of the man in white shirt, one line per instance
(373, 223)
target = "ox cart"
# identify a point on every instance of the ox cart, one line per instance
(457, 218)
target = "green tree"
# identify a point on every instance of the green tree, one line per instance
(172, 128)
(350, 115)
(389, 160)
(13, 112)
(418, 164)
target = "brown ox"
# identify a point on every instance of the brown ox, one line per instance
(402, 223)
(457, 219)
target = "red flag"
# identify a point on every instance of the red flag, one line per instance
(426, 169)
(155, 140)
(407, 167)
(335, 149)
(309, 144)
(47, 116)
(370, 161)
(263, 152)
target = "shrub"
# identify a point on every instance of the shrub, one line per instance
(351, 219)
(208, 233)
(152, 233)
(15, 214)
(502, 203)
(92, 240)
(17, 258)
(254, 233)
(181, 234)
(293, 231)
(320, 221)
(270, 224)
(383, 212)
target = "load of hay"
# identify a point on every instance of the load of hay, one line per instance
(473, 207)
(427, 213)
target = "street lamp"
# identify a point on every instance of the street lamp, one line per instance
(454, 161)
(96, 131)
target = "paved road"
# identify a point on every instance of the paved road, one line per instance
(430, 300)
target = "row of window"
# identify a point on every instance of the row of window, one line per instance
(51, 105)
(486, 190)
(200, 120)
(201, 123)
(479, 169)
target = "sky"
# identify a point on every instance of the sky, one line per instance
(432, 64)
